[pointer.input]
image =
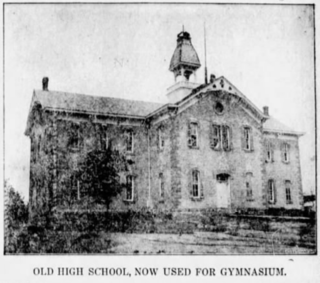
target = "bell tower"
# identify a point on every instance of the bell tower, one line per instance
(184, 63)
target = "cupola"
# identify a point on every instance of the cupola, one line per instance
(184, 63)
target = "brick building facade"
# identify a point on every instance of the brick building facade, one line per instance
(209, 147)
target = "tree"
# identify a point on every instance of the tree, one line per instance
(16, 215)
(16, 210)
(98, 173)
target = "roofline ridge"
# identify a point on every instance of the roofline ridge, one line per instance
(98, 96)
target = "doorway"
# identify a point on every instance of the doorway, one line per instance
(223, 190)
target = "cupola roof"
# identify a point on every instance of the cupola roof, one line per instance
(184, 54)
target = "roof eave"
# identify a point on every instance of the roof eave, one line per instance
(95, 113)
(163, 108)
(290, 133)
(174, 66)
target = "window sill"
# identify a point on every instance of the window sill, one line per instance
(285, 162)
(161, 200)
(128, 201)
(194, 147)
(288, 203)
(247, 150)
(197, 198)
(250, 199)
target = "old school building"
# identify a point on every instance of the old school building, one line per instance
(208, 147)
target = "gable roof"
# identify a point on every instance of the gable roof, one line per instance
(94, 104)
(222, 84)
(72, 102)
(273, 125)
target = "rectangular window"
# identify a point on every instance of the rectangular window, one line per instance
(220, 137)
(271, 192)
(247, 138)
(193, 135)
(160, 138)
(195, 183)
(216, 136)
(288, 192)
(75, 188)
(269, 152)
(161, 185)
(130, 141)
(103, 139)
(74, 140)
(130, 188)
(249, 186)
(39, 148)
(285, 152)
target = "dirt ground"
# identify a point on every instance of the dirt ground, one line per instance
(205, 243)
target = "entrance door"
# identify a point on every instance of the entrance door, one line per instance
(223, 190)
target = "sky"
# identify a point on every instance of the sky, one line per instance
(117, 50)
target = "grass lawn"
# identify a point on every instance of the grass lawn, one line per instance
(207, 243)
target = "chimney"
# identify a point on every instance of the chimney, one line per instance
(266, 110)
(45, 83)
(212, 78)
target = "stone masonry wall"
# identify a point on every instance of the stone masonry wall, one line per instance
(53, 157)
(280, 171)
(209, 162)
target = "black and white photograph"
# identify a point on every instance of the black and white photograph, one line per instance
(159, 129)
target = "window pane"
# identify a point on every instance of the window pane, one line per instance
(226, 137)
(129, 187)
(195, 183)
(161, 185)
(288, 191)
(194, 134)
(271, 191)
(161, 138)
(216, 136)
(286, 152)
(247, 138)
(130, 141)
